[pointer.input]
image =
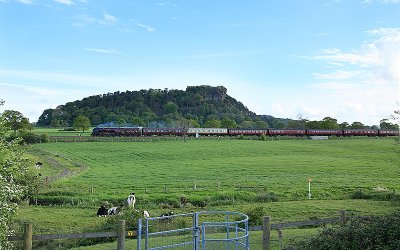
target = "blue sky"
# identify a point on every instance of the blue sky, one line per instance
(283, 58)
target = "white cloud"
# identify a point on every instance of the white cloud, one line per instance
(66, 2)
(363, 84)
(383, 1)
(109, 19)
(106, 19)
(103, 51)
(146, 27)
(26, 1)
(338, 75)
(334, 86)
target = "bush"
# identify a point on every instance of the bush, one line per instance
(359, 194)
(256, 215)
(29, 137)
(266, 197)
(360, 233)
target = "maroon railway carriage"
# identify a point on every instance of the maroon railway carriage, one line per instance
(388, 132)
(162, 131)
(362, 132)
(238, 131)
(324, 132)
(292, 132)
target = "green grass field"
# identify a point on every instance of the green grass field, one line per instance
(154, 169)
(232, 175)
(60, 132)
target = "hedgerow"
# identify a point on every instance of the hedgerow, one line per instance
(359, 233)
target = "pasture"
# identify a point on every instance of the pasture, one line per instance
(226, 170)
(233, 175)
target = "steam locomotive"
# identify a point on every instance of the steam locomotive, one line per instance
(139, 131)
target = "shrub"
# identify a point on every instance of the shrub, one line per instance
(360, 233)
(359, 194)
(256, 215)
(29, 137)
(266, 197)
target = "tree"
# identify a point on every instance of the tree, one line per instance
(55, 123)
(170, 107)
(313, 125)
(15, 180)
(385, 124)
(228, 123)
(344, 125)
(81, 123)
(329, 123)
(213, 123)
(357, 125)
(261, 124)
(15, 120)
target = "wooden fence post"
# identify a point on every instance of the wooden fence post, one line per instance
(28, 237)
(342, 217)
(121, 235)
(266, 238)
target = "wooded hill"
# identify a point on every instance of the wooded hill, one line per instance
(197, 106)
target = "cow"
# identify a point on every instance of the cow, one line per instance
(146, 214)
(38, 165)
(113, 211)
(131, 200)
(102, 211)
(168, 215)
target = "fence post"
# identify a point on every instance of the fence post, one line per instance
(266, 238)
(342, 217)
(121, 235)
(28, 237)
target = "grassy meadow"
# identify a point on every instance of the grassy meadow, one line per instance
(214, 169)
(234, 175)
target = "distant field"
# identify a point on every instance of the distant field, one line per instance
(240, 169)
(60, 132)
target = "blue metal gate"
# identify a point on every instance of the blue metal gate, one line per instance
(194, 231)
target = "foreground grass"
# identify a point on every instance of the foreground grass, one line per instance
(66, 219)
(254, 240)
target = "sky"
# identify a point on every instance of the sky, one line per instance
(285, 58)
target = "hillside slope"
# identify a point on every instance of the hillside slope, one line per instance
(204, 106)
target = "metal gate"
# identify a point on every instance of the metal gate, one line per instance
(194, 231)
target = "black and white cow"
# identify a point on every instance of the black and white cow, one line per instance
(168, 218)
(113, 211)
(102, 211)
(38, 165)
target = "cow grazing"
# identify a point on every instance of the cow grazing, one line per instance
(131, 200)
(146, 214)
(168, 218)
(38, 165)
(102, 211)
(113, 211)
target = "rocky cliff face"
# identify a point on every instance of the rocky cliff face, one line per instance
(209, 93)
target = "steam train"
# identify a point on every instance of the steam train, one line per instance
(139, 131)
